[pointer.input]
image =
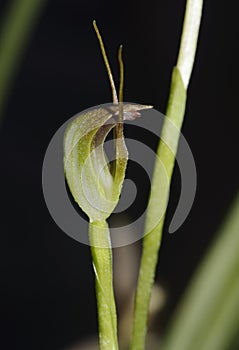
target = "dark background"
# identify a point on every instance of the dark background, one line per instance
(47, 291)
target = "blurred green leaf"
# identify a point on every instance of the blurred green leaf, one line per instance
(208, 316)
(17, 27)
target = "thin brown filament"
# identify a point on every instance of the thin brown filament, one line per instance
(121, 87)
(107, 65)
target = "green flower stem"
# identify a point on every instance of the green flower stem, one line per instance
(175, 113)
(208, 317)
(102, 262)
(16, 29)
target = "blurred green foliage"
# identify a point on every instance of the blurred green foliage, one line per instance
(208, 316)
(17, 27)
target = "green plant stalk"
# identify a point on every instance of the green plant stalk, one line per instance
(16, 30)
(102, 262)
(208, 317)
(175, 114)
(152, 240)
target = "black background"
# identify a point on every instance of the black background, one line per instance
(47, 291)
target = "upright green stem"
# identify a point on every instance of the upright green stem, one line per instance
(175, 114)
(16, 29)
(152, 240)
(102, 262)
